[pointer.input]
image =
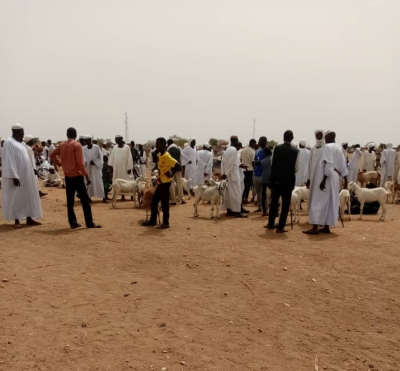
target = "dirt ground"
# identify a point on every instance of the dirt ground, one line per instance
(205, 295)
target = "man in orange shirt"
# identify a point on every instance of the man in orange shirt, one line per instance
(74, 169)
(167, 167)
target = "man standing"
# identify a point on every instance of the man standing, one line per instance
(353, 165)
(339, 163)
(45, 151)
(176, 188)
(135, 153)
(94, 167)
(247, 158)
(189, 160)
(283, 178)
(204, 164)
(51, 147)
(230, 164)
(397, 165)
(323, 183)
(71, 155)
(20, 193)
(167, 167)
(387, 163)
(121, 160)
(304, 155)
(29, 143)
(369, 158)
(142, 160)
(345, 147)
(259, 156)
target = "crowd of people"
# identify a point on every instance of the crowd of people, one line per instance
(90, 167)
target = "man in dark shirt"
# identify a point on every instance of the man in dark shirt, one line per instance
(135, 153)
(283, 179)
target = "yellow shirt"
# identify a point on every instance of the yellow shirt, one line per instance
(165, 164)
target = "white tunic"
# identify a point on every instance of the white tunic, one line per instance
(368, 161)
(53, 179)
(230, 167)
(397, 166)
(323, 206)
(204, 165)
(23, 201)
(353, 166)
(189, 154)
(96, 187)
(142, 164)
(339, 162)
(31, 156)
(387, 162)
(121, 161)
(302, 173)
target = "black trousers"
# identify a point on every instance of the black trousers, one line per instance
(248, 184)
(161, 194)
(278, 191)
(77, 185)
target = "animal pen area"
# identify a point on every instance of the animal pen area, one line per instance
(205, 295)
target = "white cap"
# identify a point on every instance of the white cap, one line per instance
(118, 136)
(86, 137)
(303, 143)
(17, 127)
(28, 138)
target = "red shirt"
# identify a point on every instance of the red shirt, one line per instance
(71, 154)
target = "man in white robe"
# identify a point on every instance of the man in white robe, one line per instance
(94, 167)
(397, 165)
(189, 160)
(338, 158)
(304, 155)
(230, 164)
(142, 160)
(369, 158)
(353, 165)
(53, 179)
(345, 147)
(28, 141)
(387, 163)
(204, 164)
(20, 192)
(323, 183)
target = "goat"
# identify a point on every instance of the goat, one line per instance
(389, 186)
(186, 187)
(304, 192)
(295, 204)
(369, 176)
(126, 187)
(213, 194)
(370, 195)
(344, 200)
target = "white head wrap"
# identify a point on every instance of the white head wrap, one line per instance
(370, 145)
(28, 138)
(86, 137)
(328, 132)
(303, 143)
(208, 146)
(17, 127)
(389, 145)
(320, 142)
(118, 136)
(186, 145)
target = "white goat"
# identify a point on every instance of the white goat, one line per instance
(295, 204)
(389, 186)
(304, 192)
(186, 187)
(122, 186)
(344, 200)
(213, 194)
(370, 195)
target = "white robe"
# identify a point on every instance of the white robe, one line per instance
(323, 206)
(368, 161)
(121, 161)
(353, 166)
(387, 162)
(53, 180)
(204, 165)
(397, 167)
(302, 174)
(95, 172)
(142, 163)
(339, 162)
(23, 201)
(230, 167)
(189, 154)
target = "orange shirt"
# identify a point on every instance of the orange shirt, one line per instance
(71, 154)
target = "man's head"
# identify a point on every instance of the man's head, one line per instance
(52, 170)
(252, 143)
(356, 146)
(267, 151)
(170, 141)
(18, 132)
(234, 141)
(71, 133)
(95, 141)
(105, 158)
(262, 142)
(319, 134)
(193, 143)
(119, 139)
(345, 146)
(49, 142)
(288, 136)
(161, 145)
(303, 143)
(88, 141)
(330, 136)
(28, 140)
(140, 147)
(239, 146)
(132, 144)
(81, 140)
(43, 144)
(371, 147)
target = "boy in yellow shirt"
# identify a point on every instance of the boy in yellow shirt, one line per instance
(167, 167)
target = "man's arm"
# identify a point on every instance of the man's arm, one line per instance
(296, 166)
(79, 161)
(54, 154)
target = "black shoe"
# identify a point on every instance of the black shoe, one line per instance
(245, 211)
(271, 226)
(148, 223)
(93, 226)
(240, 215)
(162, 226)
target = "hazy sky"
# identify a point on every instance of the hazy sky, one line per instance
(201, 68)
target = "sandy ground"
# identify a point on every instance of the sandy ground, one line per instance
(204, 295)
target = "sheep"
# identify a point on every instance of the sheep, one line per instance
(186, 187)
(344, 200)
(213, 194)
(389, 186)
(369, 176)
(370, 195)
(295, 204)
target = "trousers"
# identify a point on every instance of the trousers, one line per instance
(258, 187)
(161, 194)
(278, 191)
(248, 184)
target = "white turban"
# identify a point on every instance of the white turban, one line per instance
(370, 145)
(328, 132)
(17, 127)
(28, 138)
(207, 146)
(303, 143)
(118, 136)
(389, 145)
(319, 131)
(86, 137)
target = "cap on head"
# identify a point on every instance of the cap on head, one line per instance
(28, 138)
(17, 127)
